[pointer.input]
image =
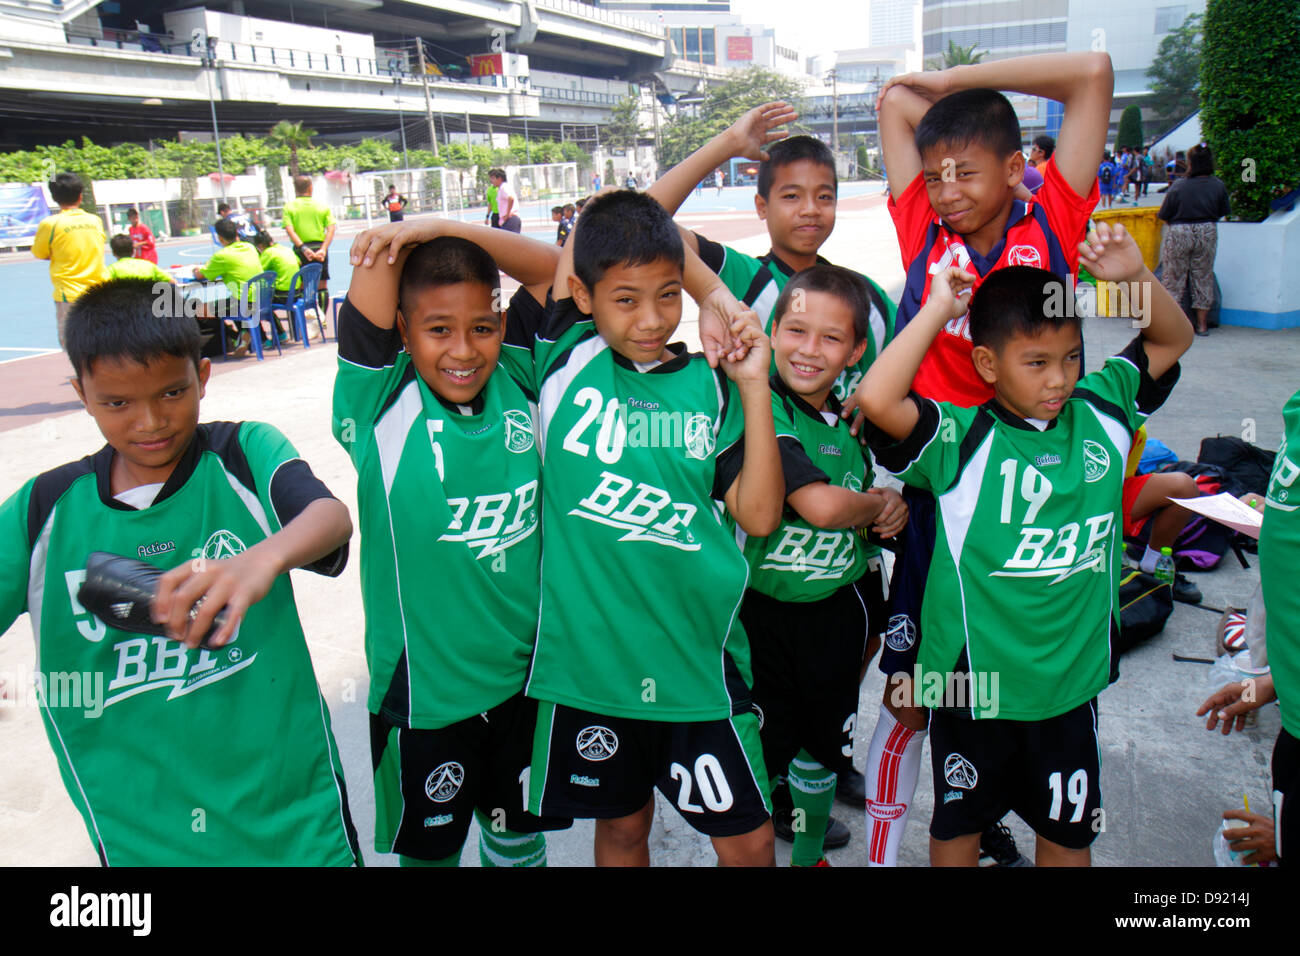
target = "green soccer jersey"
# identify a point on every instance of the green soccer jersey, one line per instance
(1022, 593)
(1279, 556)
(308, 217)
(281, 261)
(799, 561)
(758, 283)
(641, 575)
(236, 263)
(131, 268)
(450, 528)
(176, 756)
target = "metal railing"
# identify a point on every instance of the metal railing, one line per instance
(595, 13)
(560, 94)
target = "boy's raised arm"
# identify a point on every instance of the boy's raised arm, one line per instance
(882, 396)
(747, 137)
(1111, 254)
(899, 110)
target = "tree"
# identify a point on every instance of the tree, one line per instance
(1250, 101)
(1175, 73)
(955, 56)
(290, 136)
(722, 106)
(624, 128)
(1130, 128)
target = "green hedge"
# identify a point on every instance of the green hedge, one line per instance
(1250, 96)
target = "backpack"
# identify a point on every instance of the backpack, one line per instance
(1144, 606)
(1107, 174)
(1248, 466)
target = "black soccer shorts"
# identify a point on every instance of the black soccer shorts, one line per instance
(806, 658)
(902, 640)
(1047, 771)
(1286, 795)
(588, 765)
(429, 782)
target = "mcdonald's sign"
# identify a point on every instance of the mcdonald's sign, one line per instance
(485, 64)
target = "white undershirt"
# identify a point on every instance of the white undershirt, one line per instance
(140, 497)
(1039, 423)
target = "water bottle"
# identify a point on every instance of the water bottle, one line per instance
(1165, 567)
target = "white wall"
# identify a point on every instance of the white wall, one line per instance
(272, 33)
(1255, 264)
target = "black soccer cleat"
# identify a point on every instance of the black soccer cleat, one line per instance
(1186, 591)
(837, 834)
(851, 788)
(999, 846)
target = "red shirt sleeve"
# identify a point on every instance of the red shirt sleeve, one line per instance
(1067, 213)
(912, 216)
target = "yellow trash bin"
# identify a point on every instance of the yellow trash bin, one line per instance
(1144, 225)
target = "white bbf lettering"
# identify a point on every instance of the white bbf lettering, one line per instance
(790, 547)
(1062, 555)
(130, 662)
(645, 506)
(489, 515)
(1098, 531)
(1287, 472)
(823, 550)
(607, 495)
(525, 496)
(1029, 554)
(170, 660)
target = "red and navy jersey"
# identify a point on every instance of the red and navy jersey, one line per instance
(1044, 233)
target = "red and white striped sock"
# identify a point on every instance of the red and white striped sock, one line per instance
(893, 766)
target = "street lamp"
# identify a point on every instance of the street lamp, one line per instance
(210, 62)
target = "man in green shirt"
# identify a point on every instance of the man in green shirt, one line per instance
(235, 262)
(129, 267)
(310, 226)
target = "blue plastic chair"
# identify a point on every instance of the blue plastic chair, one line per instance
(259, 295)
(302, 296)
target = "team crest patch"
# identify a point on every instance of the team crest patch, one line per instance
(1096, 461)
(519, 431)
(1024, 256)
(597, 743)
(960, 772)
(851, 481)
(698, 434)
(901, 633)
(758, 712)
(444, 783)
(221, 545)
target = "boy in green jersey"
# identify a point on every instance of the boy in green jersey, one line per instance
(640, 666)
(176, 755)
(816, 600)
(1021, 601)
(444, 443)
(129, 267)
(796, 199)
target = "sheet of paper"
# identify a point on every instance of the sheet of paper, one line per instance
(1226, 510)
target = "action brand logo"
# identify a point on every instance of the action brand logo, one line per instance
(1024, 256)
(221, 545)
(519, 431)
(832, 450)
(698, 435)
(649, 515)
(597, 743)
(828, 558)
(487, 532)
(158, 547)
(444, 783)
(1096, 461)
(1044, 552)
(901, 633)
(960, 772)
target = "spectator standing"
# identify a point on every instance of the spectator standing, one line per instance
(1191, 210)
(310, 226)
(395, 203)
(73, 241)
(141, 238)
(507, 202)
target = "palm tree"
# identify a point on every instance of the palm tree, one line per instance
(955, 56)
(290, 136)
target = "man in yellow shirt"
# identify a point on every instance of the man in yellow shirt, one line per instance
(73, 240)
(310, 226)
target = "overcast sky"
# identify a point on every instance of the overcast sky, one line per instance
(814, 26)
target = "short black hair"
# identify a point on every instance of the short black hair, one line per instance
(1019, 301)
(970, 116)
(66, 189)
(1047, 144)
(555, 209)
(624, 227)
(124, 319)
(791, 150)
(1200, 161)
(846, 285)
(133, 211)
(121, 245)
(262, 240)
(498, 172)
(226, 229)
(223, 207)
(446, 260)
